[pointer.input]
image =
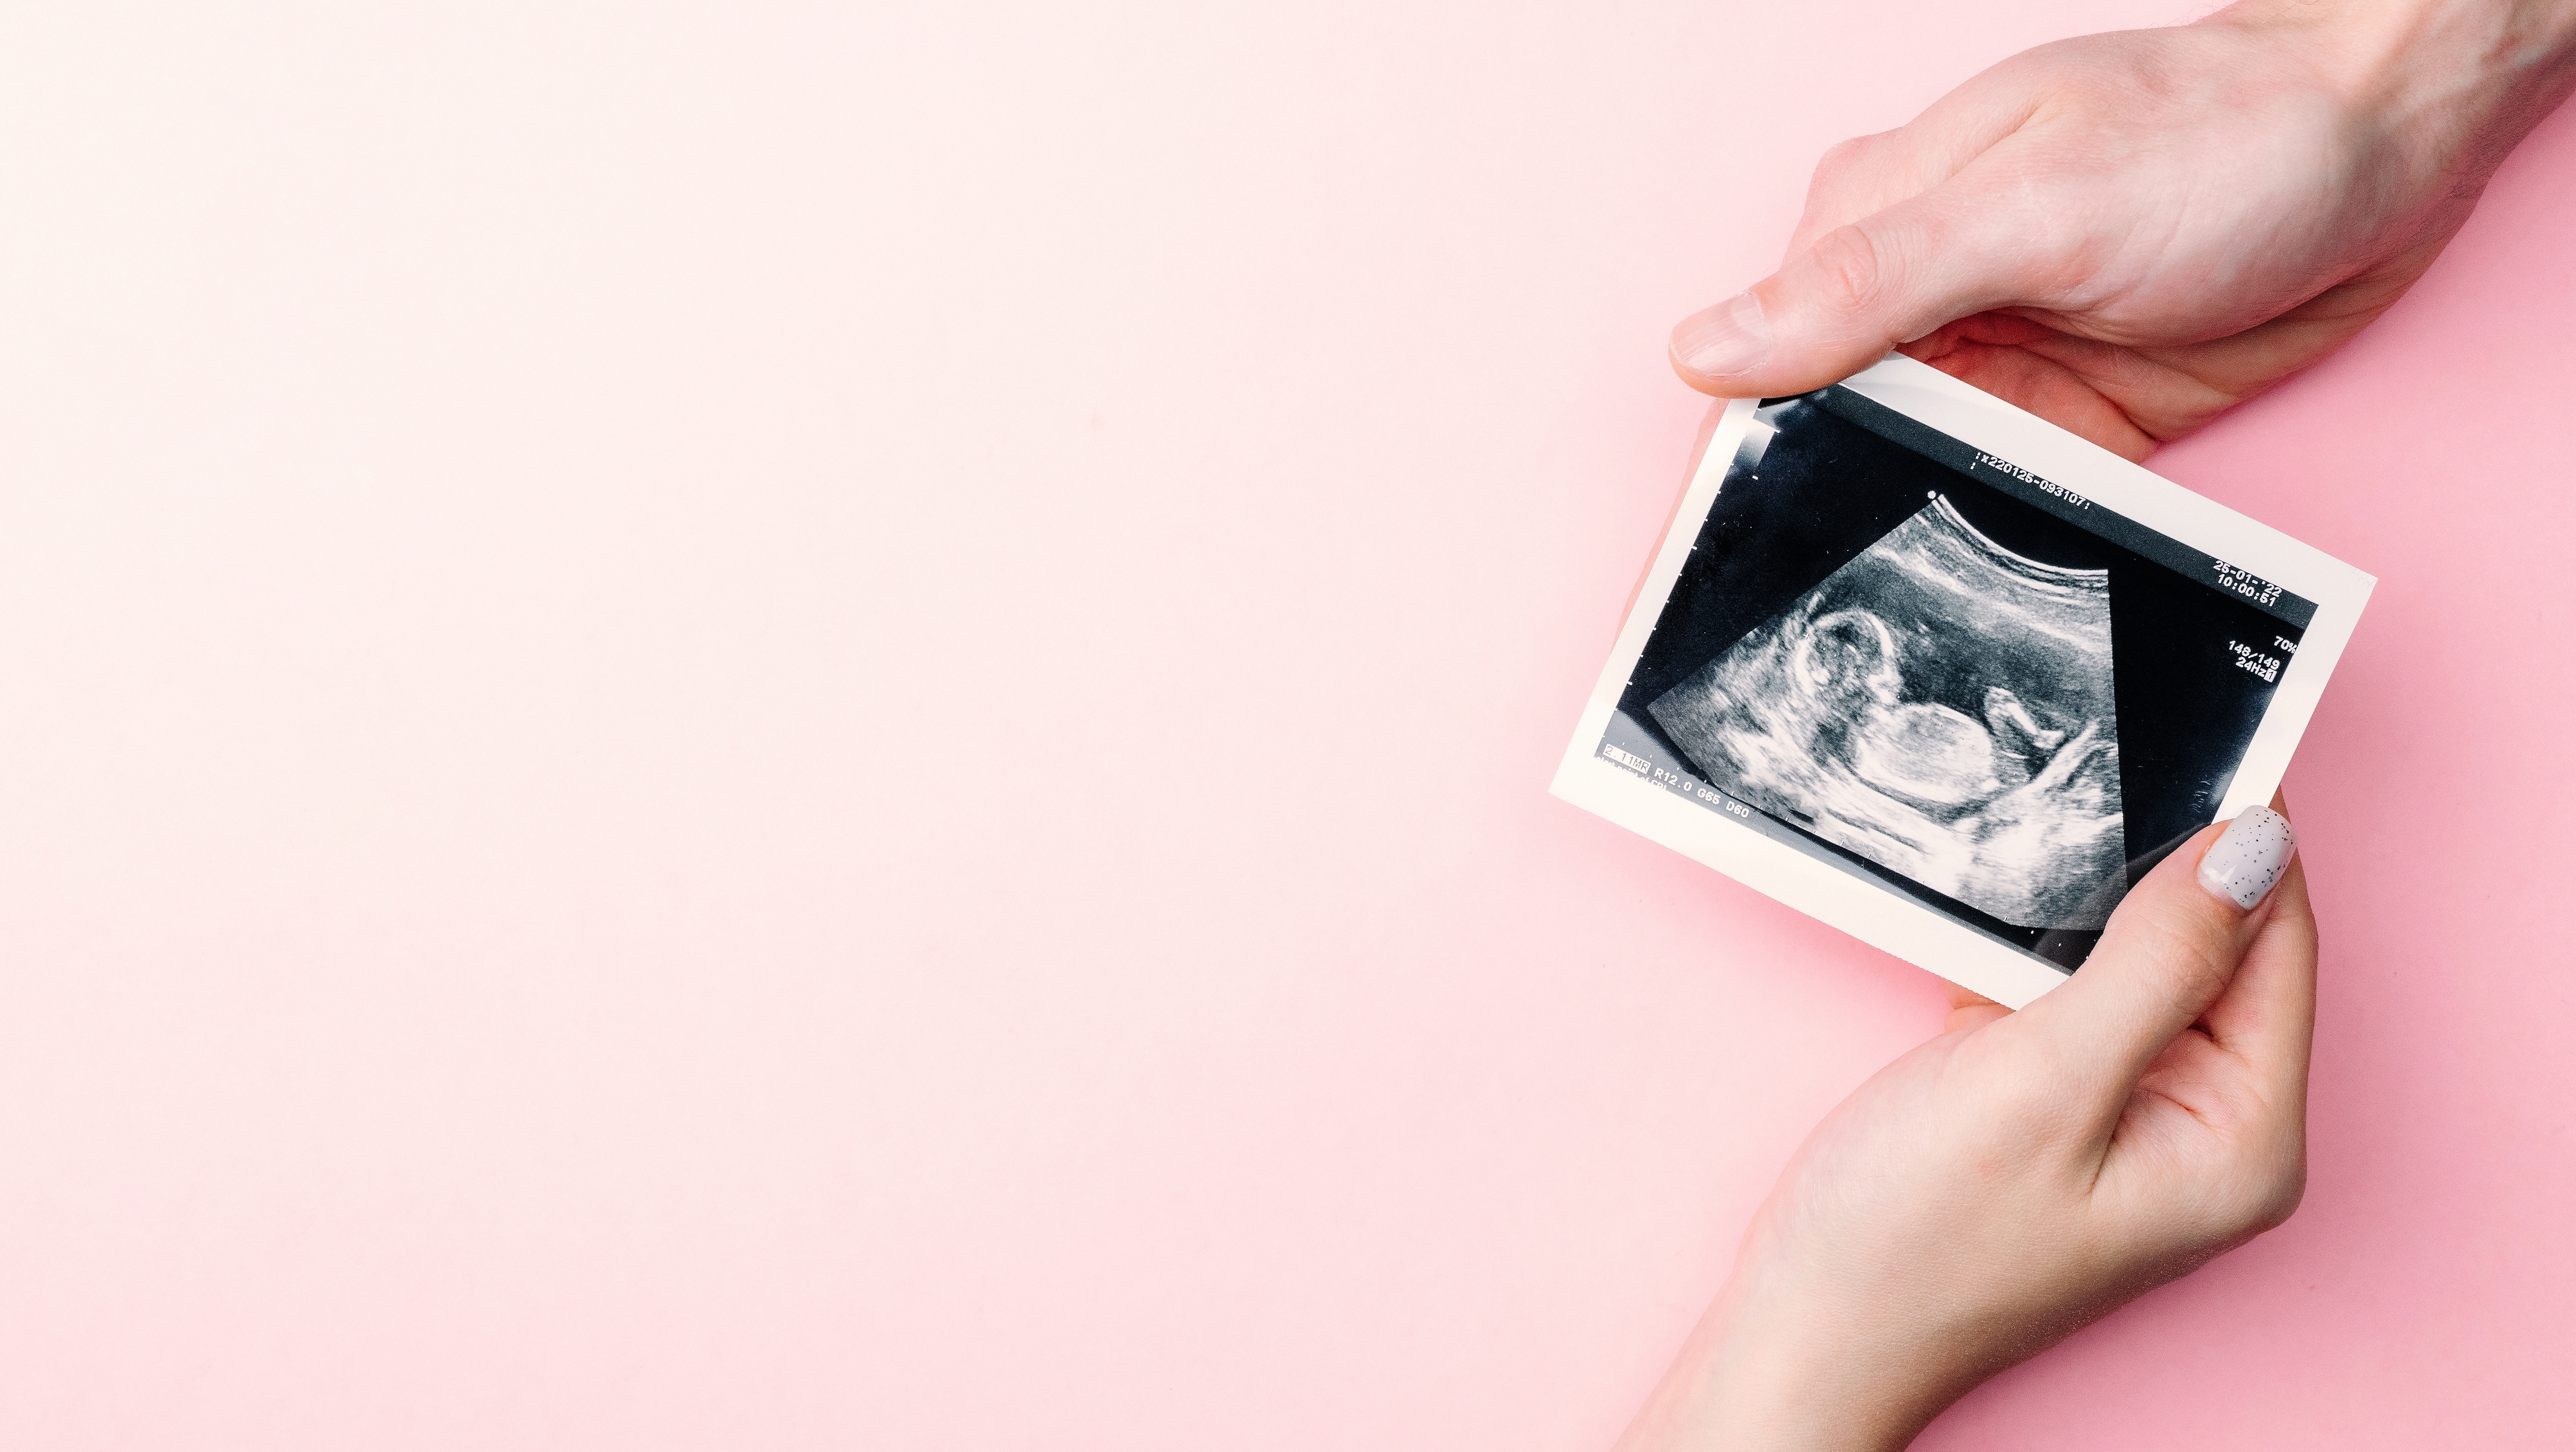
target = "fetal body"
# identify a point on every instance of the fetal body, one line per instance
(1941, 706)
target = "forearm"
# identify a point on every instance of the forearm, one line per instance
(2008, 1182)
(1800, 1353)
(2461, 81)
(1758, 1375)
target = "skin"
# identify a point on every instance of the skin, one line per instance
(2126, 234)
(2130, 233)
(2015, 1178)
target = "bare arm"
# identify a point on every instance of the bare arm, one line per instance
(2024, 1173)
(2130, 233)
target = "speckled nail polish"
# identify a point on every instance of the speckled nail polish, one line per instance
(2249, 857)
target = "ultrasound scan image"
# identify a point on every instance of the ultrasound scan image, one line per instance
(1939, 705)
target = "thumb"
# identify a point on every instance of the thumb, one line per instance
(1839, 306)
(2172, 948)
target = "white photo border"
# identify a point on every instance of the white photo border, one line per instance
(1912, 930)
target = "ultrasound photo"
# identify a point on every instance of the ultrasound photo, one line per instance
(1942, 706)
(1947, 676)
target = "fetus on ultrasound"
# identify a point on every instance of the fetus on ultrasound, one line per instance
(1941, 706)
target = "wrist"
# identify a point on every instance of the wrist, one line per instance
(1781, 1364)
(2455, 83)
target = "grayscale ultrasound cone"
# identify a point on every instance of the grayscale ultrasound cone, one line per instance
(1941, 706)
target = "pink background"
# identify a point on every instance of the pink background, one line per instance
(798, 726)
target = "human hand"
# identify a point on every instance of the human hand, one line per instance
(2024, 1173)
(2129, 233)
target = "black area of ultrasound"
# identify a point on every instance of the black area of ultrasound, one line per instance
(1826, 489)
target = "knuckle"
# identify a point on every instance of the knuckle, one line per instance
(2193, 962)
(2283, 1187)
(2046, 1098)
(1849, 272)
(2281, 1204)
(2265, 1200)
(1844, 157)
(2265, 1180)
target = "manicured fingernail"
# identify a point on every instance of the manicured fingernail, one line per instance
(2248, 857)
(1728, 338)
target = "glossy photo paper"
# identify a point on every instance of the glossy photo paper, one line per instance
(1949, 677)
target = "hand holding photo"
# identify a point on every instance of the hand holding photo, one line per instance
(1951, 678)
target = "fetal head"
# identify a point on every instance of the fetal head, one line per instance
(1848, 652)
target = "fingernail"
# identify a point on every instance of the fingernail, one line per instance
(1728, 338)
(2248, 857)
